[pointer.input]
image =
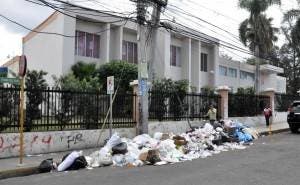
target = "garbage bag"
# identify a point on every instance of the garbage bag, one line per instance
(120, 149)
(252, 132)
(46, 166)
(153, 156)
(113, 141)
(96, 159)
(80, 162)
(157, 135)
(68, 161)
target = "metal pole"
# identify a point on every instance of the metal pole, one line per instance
(110, 118)
(21, 120)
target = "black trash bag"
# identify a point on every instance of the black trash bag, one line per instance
(153, 156)
(46, 166)
(79, 162)
(120, 149)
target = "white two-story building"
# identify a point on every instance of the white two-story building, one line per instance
(187, 54)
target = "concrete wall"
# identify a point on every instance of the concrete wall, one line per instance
(47, 142)
(257, 121)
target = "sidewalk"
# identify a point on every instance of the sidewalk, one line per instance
(9, 167)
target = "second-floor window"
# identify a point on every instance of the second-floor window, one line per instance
(87, 44)
(129, 52)
(204, 62)
(223, 70)
(244, 75)
(232, 72)
(175, 56)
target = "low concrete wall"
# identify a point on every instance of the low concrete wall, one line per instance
(278, 117)
(47, 142)
(175, 127)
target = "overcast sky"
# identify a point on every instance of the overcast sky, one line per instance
(223, 13)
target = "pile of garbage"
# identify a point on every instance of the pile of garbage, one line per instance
(161, 149)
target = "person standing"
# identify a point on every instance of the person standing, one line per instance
(267, 114)
(212, 114)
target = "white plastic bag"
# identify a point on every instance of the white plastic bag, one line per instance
(69, 160)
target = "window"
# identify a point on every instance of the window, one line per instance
(175, 56)
(232, 72)
(244, 75)
(129, 52)
(223, 70)
(87, 44)
(204, 62)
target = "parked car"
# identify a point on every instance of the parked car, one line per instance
(293, 117)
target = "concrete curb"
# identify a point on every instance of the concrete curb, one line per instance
(34, 170)
(18, 172)
(274, 131)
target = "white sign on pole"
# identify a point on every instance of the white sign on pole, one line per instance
(110, 85)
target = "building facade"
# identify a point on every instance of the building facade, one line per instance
(189, 54)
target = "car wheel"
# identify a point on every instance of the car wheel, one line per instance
(294, 129)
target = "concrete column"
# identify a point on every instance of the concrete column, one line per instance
(196, 65)
(105, 44)
(216, 65)
(186, 60)
(223, 92)
(271, 93)
(135, 110)
(119, 41)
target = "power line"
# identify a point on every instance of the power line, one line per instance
(52, 33)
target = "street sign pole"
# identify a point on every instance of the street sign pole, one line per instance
(110, 117)
(110, 91)
(21, 110)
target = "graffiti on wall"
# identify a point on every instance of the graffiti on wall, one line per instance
(11, 142)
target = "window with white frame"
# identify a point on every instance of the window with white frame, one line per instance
(244, 75)
(223, 70)
(232, 72)
(87, 44)
(204, 62)
(129, 52)
(175, 56)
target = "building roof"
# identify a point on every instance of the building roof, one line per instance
(183, 29)
(41, 26)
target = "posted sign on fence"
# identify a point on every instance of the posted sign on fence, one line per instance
(110, 85)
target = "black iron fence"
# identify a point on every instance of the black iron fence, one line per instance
(246, 105)
(283, 101)
(180, 106)
(55, 109)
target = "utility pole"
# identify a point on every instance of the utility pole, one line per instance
(142, 66)
(142, 57)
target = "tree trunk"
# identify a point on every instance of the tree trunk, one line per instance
(257, 70)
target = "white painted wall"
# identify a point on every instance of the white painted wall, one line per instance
(45, 52)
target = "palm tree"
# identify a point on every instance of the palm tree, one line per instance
(257, 31)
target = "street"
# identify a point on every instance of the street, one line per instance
(272, 160)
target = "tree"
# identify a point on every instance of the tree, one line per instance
(84, 71)
(35, 84)
(257, 31)
(123, 72)
(290, 51)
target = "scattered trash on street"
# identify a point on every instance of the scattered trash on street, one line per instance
(161, 149)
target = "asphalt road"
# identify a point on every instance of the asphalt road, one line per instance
(272, 160)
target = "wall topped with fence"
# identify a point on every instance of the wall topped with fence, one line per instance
(180, 106)
(283, 101)
(246, 105)
(55, 109)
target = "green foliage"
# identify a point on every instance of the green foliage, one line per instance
(35, 82)
(83, 71)
(207, 91)
(245, 91)
(257, 30)
(123, 72)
